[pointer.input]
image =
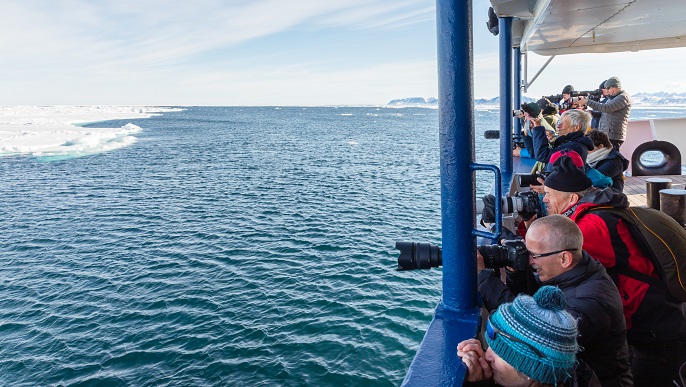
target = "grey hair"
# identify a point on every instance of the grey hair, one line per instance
(578, 118)
(559, 232)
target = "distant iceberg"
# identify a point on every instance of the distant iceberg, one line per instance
(639, 99)
(414, 102)
(433, 102)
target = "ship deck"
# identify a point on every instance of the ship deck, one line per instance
(635, 187)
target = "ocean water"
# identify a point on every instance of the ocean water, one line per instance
(228, 246)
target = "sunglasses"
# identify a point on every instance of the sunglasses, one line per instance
(551, 253)
(493, 332)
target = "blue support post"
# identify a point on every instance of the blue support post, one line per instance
(505, 48)
(516, 123)
(457, 314)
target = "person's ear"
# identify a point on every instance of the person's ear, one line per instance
(574, 198)
(566, 259)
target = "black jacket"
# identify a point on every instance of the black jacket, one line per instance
(614, 166)
(575, 141)
(593, 299)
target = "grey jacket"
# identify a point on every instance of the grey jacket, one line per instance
(615, 115)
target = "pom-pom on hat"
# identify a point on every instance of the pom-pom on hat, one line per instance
(567, 177)
(576, 158)
(568, 89)
(613, 82)
(539, 322)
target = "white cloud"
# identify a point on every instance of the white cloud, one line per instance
(151, 52)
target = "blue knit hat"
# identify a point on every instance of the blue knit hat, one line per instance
(539, 322)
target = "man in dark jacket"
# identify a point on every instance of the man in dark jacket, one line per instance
(554, 243)
(656, 327)
(570, 128)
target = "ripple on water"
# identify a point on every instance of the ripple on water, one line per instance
(207, 255)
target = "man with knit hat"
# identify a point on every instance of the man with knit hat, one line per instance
(536, 338)
(655, 324)
(556, 258)
(615, 111)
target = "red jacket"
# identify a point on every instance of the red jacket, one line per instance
(650, 315)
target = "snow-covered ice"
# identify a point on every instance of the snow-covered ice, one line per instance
(54, 130)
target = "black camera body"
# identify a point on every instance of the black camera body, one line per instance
(591, 94)
(522, 202)
(532, 179)
(595, 95)
(512, 253)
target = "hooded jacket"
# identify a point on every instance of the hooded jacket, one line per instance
(592, 298)
(650, 312)
(614, 166)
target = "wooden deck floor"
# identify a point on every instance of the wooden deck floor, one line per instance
(635, 187)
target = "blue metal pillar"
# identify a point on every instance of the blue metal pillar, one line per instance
(456, 129)
(505, 48)
(516, 123)
(457, 315)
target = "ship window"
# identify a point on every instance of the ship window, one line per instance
(653, 158)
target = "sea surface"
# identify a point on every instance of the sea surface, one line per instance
(228, 246)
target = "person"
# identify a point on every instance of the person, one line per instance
(656, 327)
(606, 159)
(598, 179)
(531, 341)
(550, 113)
(570, 131)
(556, 258)
(615, 111)
(595, 122)
(528, 110)
(566, 102)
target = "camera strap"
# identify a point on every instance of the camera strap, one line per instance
(568, 213)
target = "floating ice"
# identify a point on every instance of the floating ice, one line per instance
(53, 130)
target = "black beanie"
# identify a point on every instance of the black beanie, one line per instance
(566, 177)
(568, 89)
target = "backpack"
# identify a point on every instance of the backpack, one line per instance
(660, 238)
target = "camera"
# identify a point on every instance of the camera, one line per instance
(415, 255)
(523, 203)
(595, 95)
(529, 180)
(512, 253)
(517, 113)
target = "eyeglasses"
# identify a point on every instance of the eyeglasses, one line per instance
(549, 254)
(493, 332)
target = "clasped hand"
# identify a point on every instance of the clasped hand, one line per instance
(474, 359)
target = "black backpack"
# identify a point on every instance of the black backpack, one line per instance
(659, 237)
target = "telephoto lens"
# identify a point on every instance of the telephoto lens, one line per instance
(414, 255)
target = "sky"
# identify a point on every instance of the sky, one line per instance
(267, 52)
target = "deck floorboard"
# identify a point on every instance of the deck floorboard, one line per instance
(635, 187)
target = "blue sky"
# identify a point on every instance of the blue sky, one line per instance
(265, 52)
